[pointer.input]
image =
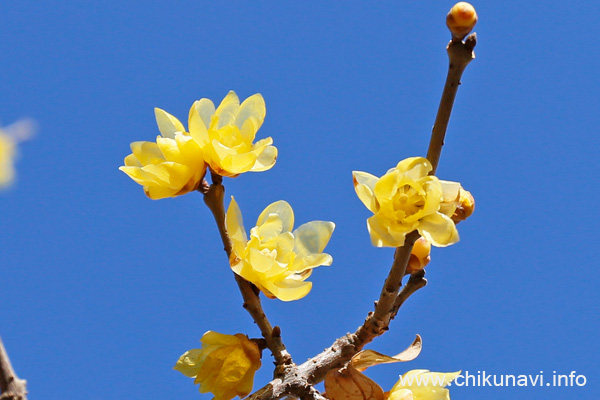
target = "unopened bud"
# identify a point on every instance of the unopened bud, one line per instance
(466, 206)
(461, 19)
(419, 257)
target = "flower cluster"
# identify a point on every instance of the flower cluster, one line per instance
(405, 199)
(224, 366)
(275, 259)
(220, 139)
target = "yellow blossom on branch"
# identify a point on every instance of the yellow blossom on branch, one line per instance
(226, 134)
(407, 199)
(224, 366)
(420, 384)
(275, 259)
(172, 166)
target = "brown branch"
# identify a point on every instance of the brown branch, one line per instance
(11, 387)
(214, 199)
(459, 54)
(378, 321)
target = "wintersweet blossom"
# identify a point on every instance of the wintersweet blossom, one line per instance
(226, 134)
(172, 166)
(407, 199)
(420, 384)
(275, 259)
(224, 366)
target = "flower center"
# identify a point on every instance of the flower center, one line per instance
(407, 201)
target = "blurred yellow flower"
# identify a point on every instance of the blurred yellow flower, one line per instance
(172, 166)
(225, 135)
(9, 137)
(420, 384)
(224, 366)
(7, 156)
(275, 259)
(405, 199)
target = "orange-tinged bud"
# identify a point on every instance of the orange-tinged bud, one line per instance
(461, 19)
(466, 206)
(419, 257)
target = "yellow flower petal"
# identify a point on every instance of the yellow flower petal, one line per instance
(253, 107)
(414, 167)
(168, 125)
(199, 120)
(265, 160)
(364, 185)
(235, 226)
(188, 363)
(283, 210)
(289, 290)
(270, 228)
(227, 110)
(146, 152)
(439, 229)
(312, 237)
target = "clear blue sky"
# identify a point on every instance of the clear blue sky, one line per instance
(102, 289)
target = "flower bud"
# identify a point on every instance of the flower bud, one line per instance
(466, 206)
(419, 257)
(461, 19)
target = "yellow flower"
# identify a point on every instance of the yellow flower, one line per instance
(172, 166)
(275, 259)
(225, 135)
(224, 366)
(405, 199)
(7, 157)
(9, 137)
(420, 384)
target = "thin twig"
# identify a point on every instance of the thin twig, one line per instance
(416, 282)
(214, 199)
(459, 54)
(11, 387)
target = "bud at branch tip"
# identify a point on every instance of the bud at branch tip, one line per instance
(461, 20)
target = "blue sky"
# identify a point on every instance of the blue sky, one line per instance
(103, 289)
